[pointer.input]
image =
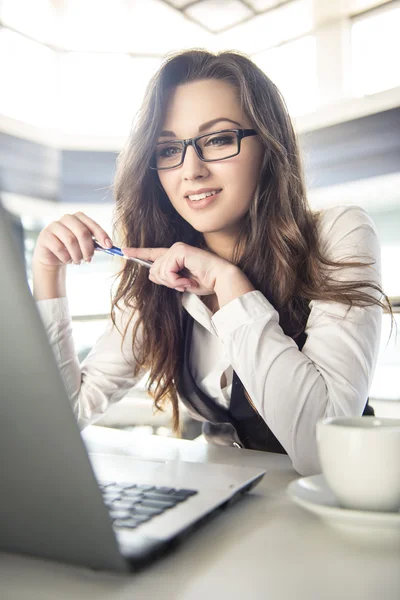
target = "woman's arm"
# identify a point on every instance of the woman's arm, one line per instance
(332, 374)
(105, 376)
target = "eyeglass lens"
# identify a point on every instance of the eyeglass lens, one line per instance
(211, 147)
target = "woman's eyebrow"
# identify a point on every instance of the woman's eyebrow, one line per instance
(202, 127)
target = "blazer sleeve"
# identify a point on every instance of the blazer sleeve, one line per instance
(106, 374)
(332, 374)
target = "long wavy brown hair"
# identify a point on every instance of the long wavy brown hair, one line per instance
(277, 246)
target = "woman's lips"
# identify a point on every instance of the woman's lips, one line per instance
(198, 204)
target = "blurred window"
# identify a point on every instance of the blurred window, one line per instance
(37, 19)
(85, 333)
(390, 268)
(293, 68)
(28, 70)
(386, 383)
(375, 43)
(100, 93)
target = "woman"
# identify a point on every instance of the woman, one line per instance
(275, 321)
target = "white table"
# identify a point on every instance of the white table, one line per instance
(262, 547)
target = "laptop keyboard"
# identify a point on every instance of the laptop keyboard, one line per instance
(130, 505)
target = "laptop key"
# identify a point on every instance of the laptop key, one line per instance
(125, 524)
(111, 494)
(148, 502)
(132, 494)
(164, 490)
(141, 509)
(111, 501)
(168, 499)
(124, 504)
(111, 506)
(145, 487)
(142, 518)
(178, 497)
(183, 493)
(133, 522)
(117, 489)
(119, 514)
(186, 492)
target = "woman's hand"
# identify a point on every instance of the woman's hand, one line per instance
(69, 240)
(204, 267)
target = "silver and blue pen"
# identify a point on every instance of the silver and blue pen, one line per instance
(115, 251)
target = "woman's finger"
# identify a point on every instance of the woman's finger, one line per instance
(64, 240)
(172, 281)
(57, 247)
(96, 230)
(82, 234)
(145, 253)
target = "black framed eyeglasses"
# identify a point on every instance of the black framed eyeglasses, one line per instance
(209, 147)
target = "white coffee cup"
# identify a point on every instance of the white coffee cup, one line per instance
(360, 460)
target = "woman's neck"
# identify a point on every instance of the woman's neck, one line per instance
(221, 244)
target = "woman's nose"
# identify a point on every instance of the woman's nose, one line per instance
(193, 166)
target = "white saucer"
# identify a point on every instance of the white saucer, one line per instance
(314, 494)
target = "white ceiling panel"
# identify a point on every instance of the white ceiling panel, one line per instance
(179, 3)
(34, 19)
(270, 29)
(356, 6)
(216, 15)
(93, 26)
(156, 28)
(261, 5)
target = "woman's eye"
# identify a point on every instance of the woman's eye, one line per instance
(169, 151)
(220, 140)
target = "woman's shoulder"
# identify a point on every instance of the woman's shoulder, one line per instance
(347, 223)
(343, 216)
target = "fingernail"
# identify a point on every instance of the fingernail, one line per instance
(108, 243)
(87, 260)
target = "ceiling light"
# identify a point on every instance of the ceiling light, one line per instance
(261, 5)
(179, 3)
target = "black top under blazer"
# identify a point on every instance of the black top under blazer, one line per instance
(239, 425)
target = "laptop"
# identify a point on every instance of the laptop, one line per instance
(102, 511)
